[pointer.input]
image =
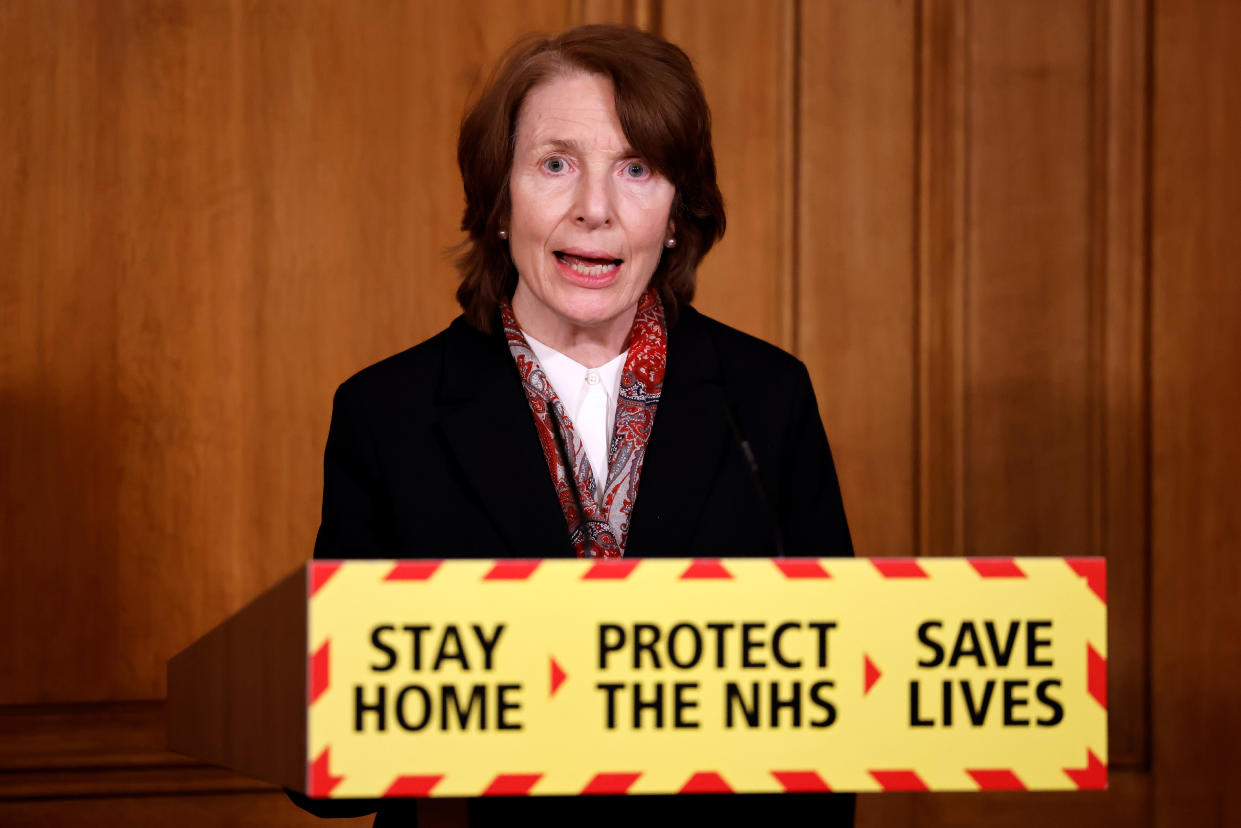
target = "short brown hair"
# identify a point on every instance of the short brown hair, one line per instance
(664, 115)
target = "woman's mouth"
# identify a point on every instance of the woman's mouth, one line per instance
(588, 269)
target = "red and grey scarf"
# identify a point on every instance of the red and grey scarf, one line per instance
(598, 521)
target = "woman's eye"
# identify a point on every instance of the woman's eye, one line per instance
(554, 165)
(635, 169)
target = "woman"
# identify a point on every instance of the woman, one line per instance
(580, 405)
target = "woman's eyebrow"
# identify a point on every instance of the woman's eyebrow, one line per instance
(560, 145)
(574, 147)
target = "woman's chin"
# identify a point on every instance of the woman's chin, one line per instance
(561, 304)
(593, 311)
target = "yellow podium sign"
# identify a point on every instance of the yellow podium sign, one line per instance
(555, 677)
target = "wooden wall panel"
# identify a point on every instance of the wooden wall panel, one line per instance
(217, 213)
(742, 50)
(1125, 804)
(855, 294)
(1195, 399)
(644, 14)
(942, 206)
(106, 748)
(268, 809)
(59, 475)
(1121, 429)
(1050, 298)
(1028, 315)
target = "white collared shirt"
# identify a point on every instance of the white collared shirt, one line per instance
(589, 396)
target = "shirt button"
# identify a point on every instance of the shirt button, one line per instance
(592, 378)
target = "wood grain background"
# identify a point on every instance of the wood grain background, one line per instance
(1003, 234)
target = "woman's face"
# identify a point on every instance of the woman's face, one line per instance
(589, 217)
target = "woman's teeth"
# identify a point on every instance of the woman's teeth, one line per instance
(591, 270)
(586, 268)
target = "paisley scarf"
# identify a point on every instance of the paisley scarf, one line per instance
(598, 520)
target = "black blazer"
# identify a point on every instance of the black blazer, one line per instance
(433, 453)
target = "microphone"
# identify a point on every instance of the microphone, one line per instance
(751, 464)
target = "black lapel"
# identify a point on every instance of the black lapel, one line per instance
(687, 444)
(486, 421)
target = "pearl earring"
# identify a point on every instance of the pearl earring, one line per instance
(504, 234)
(670, 243)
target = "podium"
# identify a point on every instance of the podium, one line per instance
(465, 678)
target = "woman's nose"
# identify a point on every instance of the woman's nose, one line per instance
(593, 205)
